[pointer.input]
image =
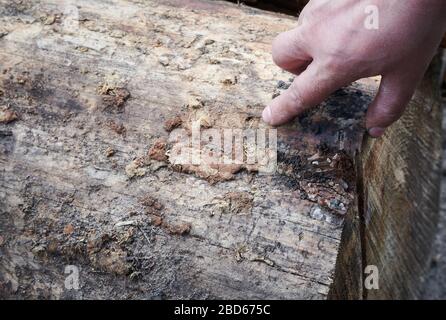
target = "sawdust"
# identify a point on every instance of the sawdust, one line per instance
(68, 229)
(142, 165)
(158, 150)
(239, 202)
(7, 115)
(117, 34)
(105, 254)
(215, 163)
(156, 220)
(180, 229)
(118, 128)
(111, 260)
(172, 123)
(164, 61)
(82, 49)
(213, 173)
(21, 79)
(194, 102)
(229, 80)
(331, 198)
(49, 19)
(202, 117)
(101, 250)
(109, 152)
(113, 98)
(136, 168)
(151, 205)
(324, 177)
(154, 208)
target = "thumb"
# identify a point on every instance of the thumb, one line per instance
(309, 89)
(394, 94)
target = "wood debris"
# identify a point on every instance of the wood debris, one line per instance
(7, 115)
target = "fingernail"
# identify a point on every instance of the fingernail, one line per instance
(376, 132)
(266, 114)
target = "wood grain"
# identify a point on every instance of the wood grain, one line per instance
(401, 193)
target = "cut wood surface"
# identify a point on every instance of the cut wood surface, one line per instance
(401, 175)
(91, 96)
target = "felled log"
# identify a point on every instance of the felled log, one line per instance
(97, 98)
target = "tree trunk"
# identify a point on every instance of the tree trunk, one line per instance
(97, 98)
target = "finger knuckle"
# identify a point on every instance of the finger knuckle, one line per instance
(391, 114)
(298, 98)
(388, 115)
(277, 53)
(334, 65)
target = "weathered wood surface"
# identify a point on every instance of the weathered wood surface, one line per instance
(401, 175)
(87, 180)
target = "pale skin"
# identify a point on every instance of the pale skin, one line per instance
(331, 47)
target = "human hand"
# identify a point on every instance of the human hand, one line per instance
(332, 47)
